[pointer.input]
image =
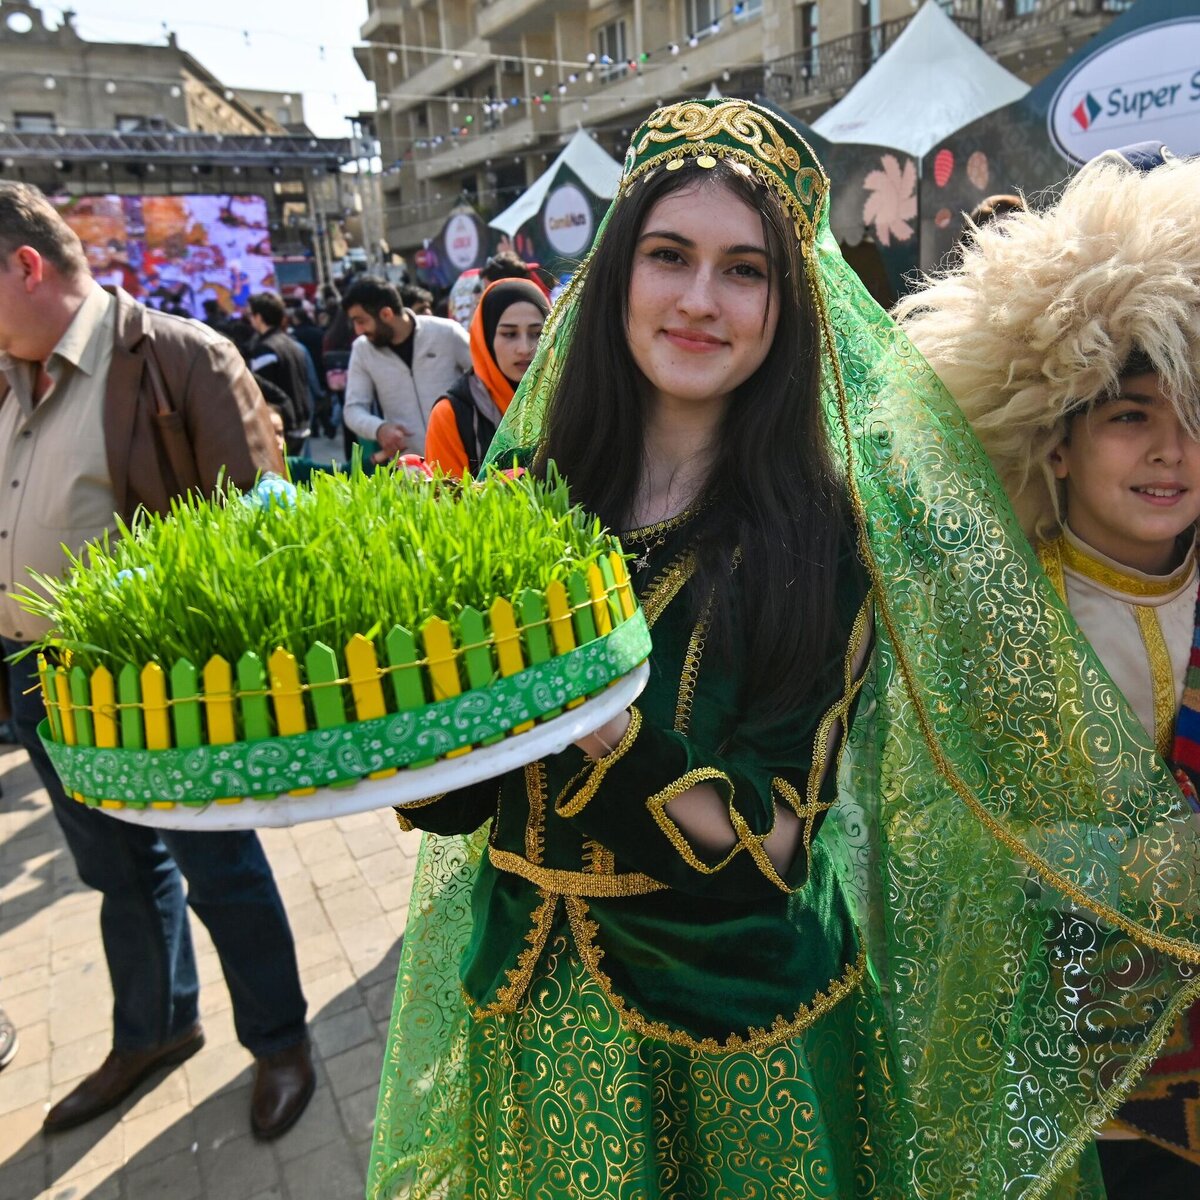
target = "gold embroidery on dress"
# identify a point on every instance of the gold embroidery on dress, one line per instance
(575, 883)
(1050, 556)
(649, 531)
(755, 848)
(519, 976)
(838, 712)
(1162, 677)
(667, 586)
(657, 804)
(598, 859)
(401, 820)
(596, 772)
(691, 668)
(782, 1028)
(535, 826)
(807, 810)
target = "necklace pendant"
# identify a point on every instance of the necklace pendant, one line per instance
(643, 562)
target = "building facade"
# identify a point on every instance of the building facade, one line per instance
(79, 117)
(53, 81)
(474, 99)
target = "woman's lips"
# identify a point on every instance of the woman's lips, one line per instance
(693, 340)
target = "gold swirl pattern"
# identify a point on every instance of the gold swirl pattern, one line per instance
(577, 1104)
(744, 133)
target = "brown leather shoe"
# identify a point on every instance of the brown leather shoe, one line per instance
(283, 1085)
(119, 1074)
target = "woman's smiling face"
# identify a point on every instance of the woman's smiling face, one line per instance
(702, 308)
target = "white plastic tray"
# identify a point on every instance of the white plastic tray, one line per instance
(486, 762)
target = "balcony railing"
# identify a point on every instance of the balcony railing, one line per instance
(837, 65)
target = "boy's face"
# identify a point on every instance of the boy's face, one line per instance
(1132, 476)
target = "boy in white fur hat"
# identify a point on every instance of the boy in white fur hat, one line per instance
(1070, 337)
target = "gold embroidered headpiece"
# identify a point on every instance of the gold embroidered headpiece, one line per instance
(705, 131)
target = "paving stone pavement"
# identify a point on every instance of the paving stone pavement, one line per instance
(186, 1136)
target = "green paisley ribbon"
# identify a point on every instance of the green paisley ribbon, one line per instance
(325, 757)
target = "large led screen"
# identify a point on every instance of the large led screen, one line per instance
(175, 252)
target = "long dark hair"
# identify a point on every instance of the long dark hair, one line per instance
(772, 493)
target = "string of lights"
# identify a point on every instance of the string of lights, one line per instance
(569, 70)
(564, 67)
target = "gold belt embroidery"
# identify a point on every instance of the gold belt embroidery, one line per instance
(575, 883)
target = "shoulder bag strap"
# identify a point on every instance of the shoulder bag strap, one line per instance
(172, 434)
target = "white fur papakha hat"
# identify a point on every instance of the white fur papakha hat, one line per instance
(1047, 307)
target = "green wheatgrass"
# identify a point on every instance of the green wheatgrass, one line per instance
(357, 554)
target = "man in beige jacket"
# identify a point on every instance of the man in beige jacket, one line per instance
(106, 406)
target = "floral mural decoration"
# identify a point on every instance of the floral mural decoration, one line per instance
(891, 204)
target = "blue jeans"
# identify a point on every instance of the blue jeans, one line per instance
(143, 914)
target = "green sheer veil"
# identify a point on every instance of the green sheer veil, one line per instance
(1022, 866)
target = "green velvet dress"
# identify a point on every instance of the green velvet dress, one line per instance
(646, 1020)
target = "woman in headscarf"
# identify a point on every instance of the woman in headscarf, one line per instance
(504, 338)
(674, 967)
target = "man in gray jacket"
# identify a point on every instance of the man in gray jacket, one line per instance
(401, 364)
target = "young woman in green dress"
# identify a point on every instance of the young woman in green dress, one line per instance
(664, 969)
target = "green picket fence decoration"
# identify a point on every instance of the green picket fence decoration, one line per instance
(408, 684)
(477, 661)
(185, 709)
(81, 698)
(471, 653)
(129, 697)
(581, 602)
(256, 716)
(408, 688)
(476, 655)
(46, 676)
(532, 614)
(322, 672)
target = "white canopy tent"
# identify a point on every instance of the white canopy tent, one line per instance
(932, 81)
(592, 165)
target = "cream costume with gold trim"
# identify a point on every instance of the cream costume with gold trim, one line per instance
(1141, 626)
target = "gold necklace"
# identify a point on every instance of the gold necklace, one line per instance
(654, 536)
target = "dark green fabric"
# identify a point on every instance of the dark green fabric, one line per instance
(713, 954)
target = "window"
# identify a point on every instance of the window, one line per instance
(34, 122)
(748, 8)
(700, 17)
(810, 37)
(128, 123)
(610, 41)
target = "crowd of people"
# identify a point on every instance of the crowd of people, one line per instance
(888, 885)
(369, 361)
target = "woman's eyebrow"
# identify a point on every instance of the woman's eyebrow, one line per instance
(670, 236)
